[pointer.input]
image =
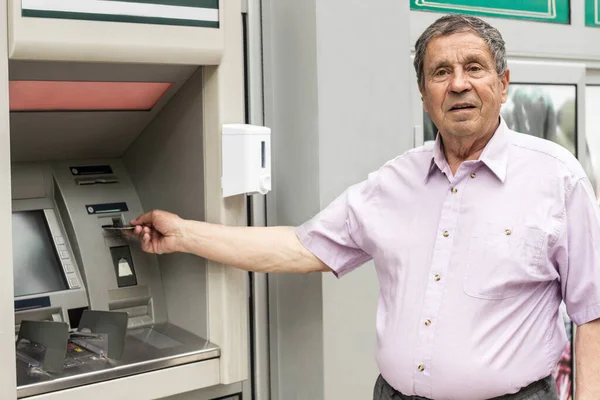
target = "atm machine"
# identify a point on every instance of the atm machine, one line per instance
(115, 108)
(69, 258)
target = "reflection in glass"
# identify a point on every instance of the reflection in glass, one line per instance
(564, 371)
(546, 111)
(592, 130)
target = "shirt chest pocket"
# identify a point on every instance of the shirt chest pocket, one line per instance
(501, 260)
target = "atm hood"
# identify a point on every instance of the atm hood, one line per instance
(85, 110)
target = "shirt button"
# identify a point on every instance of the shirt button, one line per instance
(421, 368)
(437, 277)
(446, 234)
(473, 175)
(428, 322)
(453, 190)
(507, 232)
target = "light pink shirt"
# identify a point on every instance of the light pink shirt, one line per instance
(472, 267)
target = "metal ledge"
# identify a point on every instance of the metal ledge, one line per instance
(146, 349)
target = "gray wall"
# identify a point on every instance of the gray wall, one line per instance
(336, 97)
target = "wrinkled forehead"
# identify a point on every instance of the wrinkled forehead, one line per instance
(460, 47)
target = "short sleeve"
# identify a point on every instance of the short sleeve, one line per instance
(577, 254)
(335, 234)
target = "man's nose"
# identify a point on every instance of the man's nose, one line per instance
(460, 82)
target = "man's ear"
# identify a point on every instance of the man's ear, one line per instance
(422, 91)
(505, 80)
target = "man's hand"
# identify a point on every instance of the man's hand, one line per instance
(160, 232)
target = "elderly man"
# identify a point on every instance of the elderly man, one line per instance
(476, 241)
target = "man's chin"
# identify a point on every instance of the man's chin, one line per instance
(461, 128)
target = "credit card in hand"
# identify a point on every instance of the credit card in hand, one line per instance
(120, 228)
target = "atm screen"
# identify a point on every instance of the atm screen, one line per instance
(35, 262)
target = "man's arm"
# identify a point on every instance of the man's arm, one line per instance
(587, 356)
(259, 249)
(575, 251)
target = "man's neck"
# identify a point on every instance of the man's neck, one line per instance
(459, 149)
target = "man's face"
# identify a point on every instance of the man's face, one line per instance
(462, 91)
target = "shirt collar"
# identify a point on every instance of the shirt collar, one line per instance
(494, 155)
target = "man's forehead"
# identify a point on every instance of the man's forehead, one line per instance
(460, 36)
(456, 47)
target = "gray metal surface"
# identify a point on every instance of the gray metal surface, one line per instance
(92, 244)
(146, 349)
(260, 313)
(259, 289)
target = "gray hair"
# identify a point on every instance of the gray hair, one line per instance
(455, 23)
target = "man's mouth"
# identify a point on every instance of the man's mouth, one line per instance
(462, 106)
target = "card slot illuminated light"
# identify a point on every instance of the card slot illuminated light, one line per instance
(85, 96)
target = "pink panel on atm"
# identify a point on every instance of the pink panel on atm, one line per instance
(84, 96)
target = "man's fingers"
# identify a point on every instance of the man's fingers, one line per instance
(140, 230)
(143, 236)
(144, 231)
(146, 242)
(144, 219)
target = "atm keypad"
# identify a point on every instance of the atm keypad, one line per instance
(73, 283)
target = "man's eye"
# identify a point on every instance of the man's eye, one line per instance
(441, 72)
(474, 69)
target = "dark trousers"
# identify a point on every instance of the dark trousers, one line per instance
(540, 390)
